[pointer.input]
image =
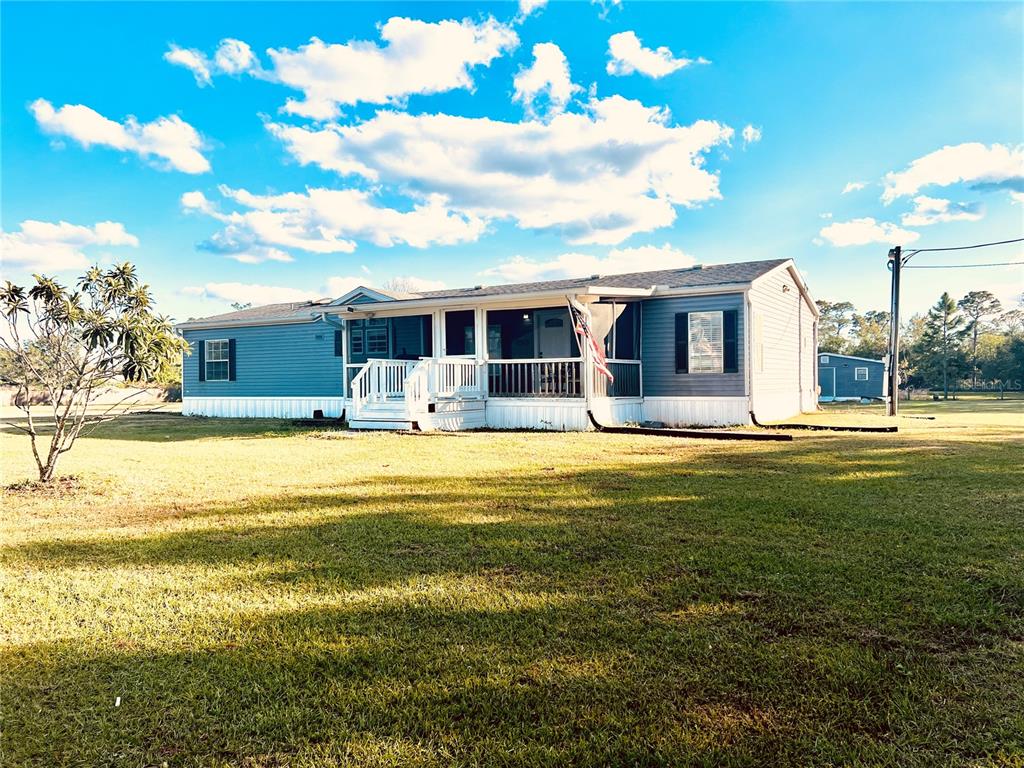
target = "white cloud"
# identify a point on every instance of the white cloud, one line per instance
(245, 293)
(932, 210)
(996, 165)
(853, 186)
(751, 135)
(628, 55)
(526, 7)
(325, 221)
(546, 82)
(42, 246)
(599, 176)
(232, 57)
(176, 143)
(866, 231)
(826, 215)
(192, 60)
(418, 58)
(619, 260)
(1017, 197)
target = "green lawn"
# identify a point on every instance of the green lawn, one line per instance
(259, 595)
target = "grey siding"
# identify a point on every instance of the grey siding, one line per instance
(846, 383)
(782, 347)
(658, 349)
(270, 361)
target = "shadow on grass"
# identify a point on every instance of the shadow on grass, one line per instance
(726, 606)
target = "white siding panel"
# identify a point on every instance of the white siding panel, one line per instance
(262, 407)
(560, 415)
(782, 316)
(697, 411)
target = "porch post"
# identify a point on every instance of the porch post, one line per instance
(480, 332)
(344, 358)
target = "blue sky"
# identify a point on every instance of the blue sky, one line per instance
(466, 143)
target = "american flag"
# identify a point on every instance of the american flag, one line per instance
(581, 324)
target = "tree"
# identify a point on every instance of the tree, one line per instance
(833, 319)
(237, 305)
(400, 285)
(941, 341)
(977, 306)
(870, 334)
(65, 344)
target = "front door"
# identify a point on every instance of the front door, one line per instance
(554, 337)
(827, 381)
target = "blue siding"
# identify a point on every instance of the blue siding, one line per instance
(270, 361)
(846, 383)
(658, 349)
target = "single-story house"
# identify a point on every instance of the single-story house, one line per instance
(846, 377)
(705, 345)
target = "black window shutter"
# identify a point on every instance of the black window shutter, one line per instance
(231, 359)
(202, 360)
(338, 350)
(730, 341)
(682, 342)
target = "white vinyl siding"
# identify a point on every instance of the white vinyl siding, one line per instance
(705, 347)
(217, 365)
(860, 374)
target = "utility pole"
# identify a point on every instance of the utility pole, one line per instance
(895, 265)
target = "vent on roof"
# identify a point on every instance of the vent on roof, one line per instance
(477, 287)
(320, 302)
(595, 277)
(698, 266)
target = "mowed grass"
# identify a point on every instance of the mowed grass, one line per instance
(259, 595)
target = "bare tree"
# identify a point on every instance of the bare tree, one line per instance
(61, 345)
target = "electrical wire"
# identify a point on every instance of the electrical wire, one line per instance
(965, 247)
(961, 266)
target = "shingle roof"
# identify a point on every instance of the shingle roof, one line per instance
(690, 277)
(266, 312)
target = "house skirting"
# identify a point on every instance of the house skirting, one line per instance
(697, 411)
(262, 407)
(554, 414)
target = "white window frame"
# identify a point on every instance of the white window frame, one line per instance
(857, 376)
(716, 317)
(226, 359)
(824, 359)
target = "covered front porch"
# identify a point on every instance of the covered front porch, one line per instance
(469, 367)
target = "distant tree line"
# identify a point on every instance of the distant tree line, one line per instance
(970, 344)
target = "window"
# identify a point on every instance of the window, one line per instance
(705, 343)
(217, 360)
(860, 374)
(824, 358)
(377, 337)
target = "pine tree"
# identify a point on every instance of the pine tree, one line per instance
(977, 306)
(942, 341)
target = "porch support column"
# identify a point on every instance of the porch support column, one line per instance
(344, 358)
(480, 335)
(437, 330)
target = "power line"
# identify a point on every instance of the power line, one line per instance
(965, 247)
(961, 266)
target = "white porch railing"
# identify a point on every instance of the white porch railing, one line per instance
(541, 377)
(627, 382)
(457, 377)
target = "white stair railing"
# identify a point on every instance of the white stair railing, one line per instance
(417, 389)
(379, 381)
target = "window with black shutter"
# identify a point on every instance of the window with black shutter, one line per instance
(730, 341)
(682, 342)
